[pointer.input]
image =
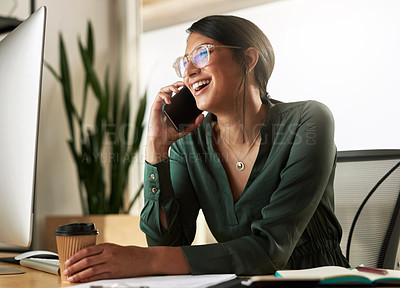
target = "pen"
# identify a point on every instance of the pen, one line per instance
(372, 270)
(117, 286)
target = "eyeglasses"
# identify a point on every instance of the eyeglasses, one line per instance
(200, 57)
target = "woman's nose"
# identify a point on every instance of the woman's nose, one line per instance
(191, 69)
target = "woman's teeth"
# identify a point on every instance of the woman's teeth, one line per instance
(199, 85)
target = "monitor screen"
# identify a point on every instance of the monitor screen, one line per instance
(21, 63)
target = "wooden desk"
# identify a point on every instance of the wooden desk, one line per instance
(30, 279)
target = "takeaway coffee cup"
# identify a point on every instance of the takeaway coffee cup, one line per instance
(71, 238)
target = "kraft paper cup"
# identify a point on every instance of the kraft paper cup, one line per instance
(71, 238)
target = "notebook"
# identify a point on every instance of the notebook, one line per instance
(326, 275)
(335, 275)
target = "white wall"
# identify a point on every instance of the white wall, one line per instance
(344, 53)
(57, 185)
(56, 181)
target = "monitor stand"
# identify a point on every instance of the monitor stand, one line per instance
(6, 270)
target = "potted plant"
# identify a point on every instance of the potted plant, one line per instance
(102, 151)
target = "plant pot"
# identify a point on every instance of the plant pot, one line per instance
(120, 229)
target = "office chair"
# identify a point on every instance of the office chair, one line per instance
(367, 204)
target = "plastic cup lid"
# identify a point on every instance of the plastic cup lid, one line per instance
(76, 229)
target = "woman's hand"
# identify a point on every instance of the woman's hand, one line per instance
(105, 261)
(111, 261)
(161, 134)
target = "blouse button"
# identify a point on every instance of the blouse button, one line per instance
(152, 176)
(154, 190)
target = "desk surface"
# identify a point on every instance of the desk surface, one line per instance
(37, 279)
(30, 279)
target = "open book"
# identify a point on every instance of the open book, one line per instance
(327, 275)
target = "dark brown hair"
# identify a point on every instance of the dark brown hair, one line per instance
(236, 31)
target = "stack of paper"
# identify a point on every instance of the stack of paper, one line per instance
(179, 281)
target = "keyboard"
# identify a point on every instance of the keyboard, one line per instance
(47, 265)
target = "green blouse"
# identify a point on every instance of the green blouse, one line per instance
(283, 219)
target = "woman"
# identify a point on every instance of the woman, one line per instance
(261, 171)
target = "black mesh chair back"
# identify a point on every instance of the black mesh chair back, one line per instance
(367, 204)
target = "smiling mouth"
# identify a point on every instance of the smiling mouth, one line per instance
(200, 85)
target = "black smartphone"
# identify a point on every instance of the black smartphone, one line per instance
(183, 109)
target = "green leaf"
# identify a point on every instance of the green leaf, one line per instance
(139, 123)
(138, 127)
(125, 115)
(90, 43)
(92, 76)
(90, 53)
(97, 185)
(52, 70)
(65, 69)
(116, 98)
(106, 95)
(66, 85)
(77, 163)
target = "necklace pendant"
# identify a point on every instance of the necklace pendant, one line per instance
(240, 166)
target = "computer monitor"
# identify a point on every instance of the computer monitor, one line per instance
(21, 63)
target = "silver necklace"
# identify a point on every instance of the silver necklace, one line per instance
(240, 163)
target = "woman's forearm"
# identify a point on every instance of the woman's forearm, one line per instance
(168, 261)
(155, 153)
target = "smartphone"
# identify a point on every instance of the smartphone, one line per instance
(183, 109)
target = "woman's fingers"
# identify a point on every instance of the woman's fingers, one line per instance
(199, 119)
(86, 257)
(91, 273)
(114, 261)
(165, 93)
(164, 96)
(90, 263)
(96, 277)
(86, 252)
(192, 126)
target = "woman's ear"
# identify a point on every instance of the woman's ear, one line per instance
(251, 56)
